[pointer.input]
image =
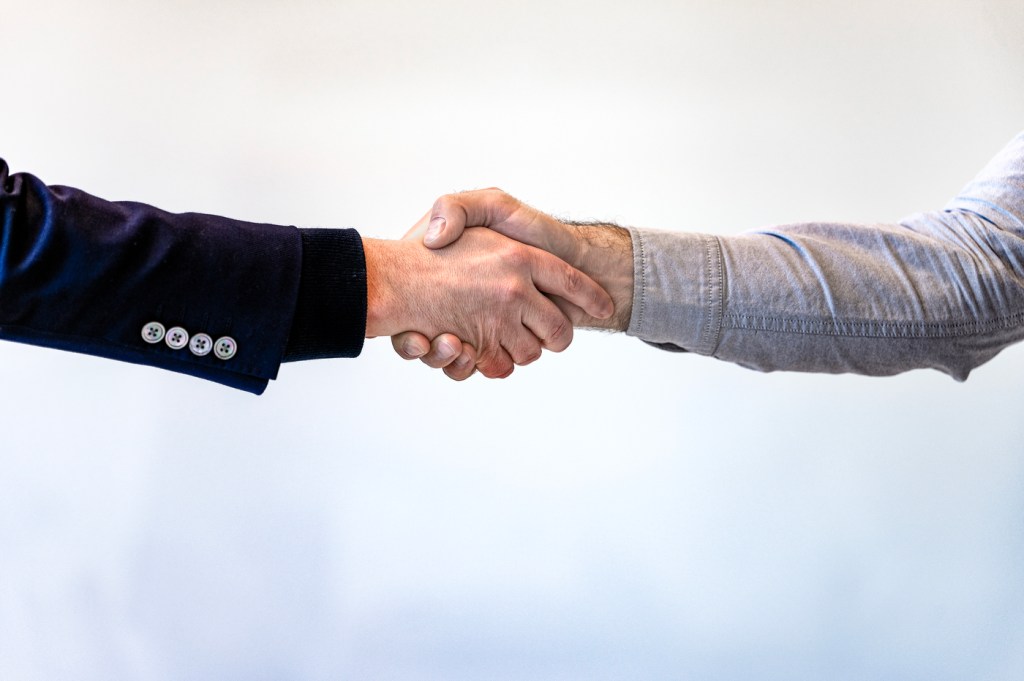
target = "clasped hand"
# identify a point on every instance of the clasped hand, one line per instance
(493, 297)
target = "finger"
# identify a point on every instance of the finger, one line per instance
(525, 348)
(574, 314)
(410, 345)
(464, 365)
(419, 229)
(443, 351)
(557, 277)
(446, 222)
(511, 217)
(547, 323)
(452, 213)
(495, 362)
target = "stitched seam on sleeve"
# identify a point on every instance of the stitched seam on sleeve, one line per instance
(643, 283)
(872, 329)
(712, 334)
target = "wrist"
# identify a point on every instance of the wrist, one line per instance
(605, 252)
(383, 309)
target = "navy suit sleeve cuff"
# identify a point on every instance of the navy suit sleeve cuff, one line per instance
(330, 313)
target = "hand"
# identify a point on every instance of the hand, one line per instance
(447, 351)
(603, 251)
(485, 289)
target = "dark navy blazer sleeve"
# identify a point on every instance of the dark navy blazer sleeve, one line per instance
(87, 275)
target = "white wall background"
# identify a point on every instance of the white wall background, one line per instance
(613, 512)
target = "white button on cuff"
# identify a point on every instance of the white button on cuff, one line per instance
(225, 347)
(177, 338)
(153, 332)
(200, 345)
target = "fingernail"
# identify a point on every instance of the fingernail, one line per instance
(434, 230)
(410, 349)
(445, 350)
(461, 363)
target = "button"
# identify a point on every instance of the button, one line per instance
(225, 347)
(153, 332)
(200, 345)
(177, 338)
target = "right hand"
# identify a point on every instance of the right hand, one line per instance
(486, 289)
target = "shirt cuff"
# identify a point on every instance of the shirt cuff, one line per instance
(330, 314)
(678, 290)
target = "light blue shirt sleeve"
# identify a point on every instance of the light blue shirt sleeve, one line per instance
(941, 289)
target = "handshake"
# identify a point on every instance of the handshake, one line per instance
(494, 296)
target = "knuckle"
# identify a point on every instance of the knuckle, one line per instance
(529, 357)
(560, 336)
(407, 346)
(443, 202)
(496, 367)
(573, 280)
(487, 359)
(508, 202)
(445, 206)
(511, 292)
(501, 199)
(516, 255)
(526, 348)
(460, 371)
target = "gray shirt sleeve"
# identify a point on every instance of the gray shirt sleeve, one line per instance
(942, 290)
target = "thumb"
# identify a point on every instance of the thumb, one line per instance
(452, 213)
(445, 222)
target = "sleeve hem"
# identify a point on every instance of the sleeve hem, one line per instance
(678, 290)
(330, 313)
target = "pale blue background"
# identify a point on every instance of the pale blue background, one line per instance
(613, 512)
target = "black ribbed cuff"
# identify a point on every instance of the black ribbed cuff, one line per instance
(330, 315)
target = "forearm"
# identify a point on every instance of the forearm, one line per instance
(942, 289)
(874, 300)
(83, 274)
